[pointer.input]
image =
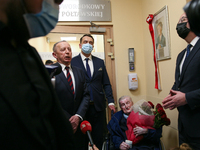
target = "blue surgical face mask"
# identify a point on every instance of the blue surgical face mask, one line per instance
(42, 23)
(87, 48)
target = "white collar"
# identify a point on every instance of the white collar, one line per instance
(194, 41)
(63, 66)
(83, 57)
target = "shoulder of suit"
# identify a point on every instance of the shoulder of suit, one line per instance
(96, 58)
(75, 57)
(76, 68)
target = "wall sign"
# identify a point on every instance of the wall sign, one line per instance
(85, 10)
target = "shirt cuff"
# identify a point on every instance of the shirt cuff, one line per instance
(79, 117)
(111, 104)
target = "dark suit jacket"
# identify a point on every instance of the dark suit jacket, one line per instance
(31, 116)
(77, 103)
(100, 83)
(189, 83)
(73, 104)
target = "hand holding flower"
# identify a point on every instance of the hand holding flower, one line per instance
(139, 131)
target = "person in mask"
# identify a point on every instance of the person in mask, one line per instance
(99, 86)
(185, 93)
(31, 116)
(192, 11)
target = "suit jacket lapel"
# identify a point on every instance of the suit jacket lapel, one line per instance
(64, 80)
(179, 59)
(81, 63)
(75, 72)
(83, 67)
(95, 66)
(189, 58)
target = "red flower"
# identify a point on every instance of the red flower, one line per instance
(152, 105)
(160, 117)
(163, 116)
(161, 111)
(158, 106)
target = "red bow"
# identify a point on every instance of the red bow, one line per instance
(149, 21)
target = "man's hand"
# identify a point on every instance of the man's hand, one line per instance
(94, 147)
(174, 99)
(139, 131)
(112, 107)
(74, 120)
(124, 146)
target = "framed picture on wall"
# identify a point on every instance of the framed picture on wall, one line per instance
(161, 34)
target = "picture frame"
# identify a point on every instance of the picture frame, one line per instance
(161, 34)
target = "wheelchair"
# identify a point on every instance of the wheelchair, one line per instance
(108, 144)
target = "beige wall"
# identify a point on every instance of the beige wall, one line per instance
(131, 31)
(166, 67)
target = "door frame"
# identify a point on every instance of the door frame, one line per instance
(109, 48)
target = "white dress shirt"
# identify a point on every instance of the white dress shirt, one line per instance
(90, 63)
(73, 80)
(71, 73)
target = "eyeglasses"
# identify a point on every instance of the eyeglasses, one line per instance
(183, 19)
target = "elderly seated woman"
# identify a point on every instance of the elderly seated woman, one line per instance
(118, 127)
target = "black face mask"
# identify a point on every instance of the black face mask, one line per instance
(182, 30)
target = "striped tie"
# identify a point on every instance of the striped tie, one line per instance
(69, 79)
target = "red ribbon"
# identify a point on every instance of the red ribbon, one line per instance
(149, 21)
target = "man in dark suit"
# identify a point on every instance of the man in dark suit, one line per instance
(99, 86)
(185, 93)
(71, 89)
(31, 116)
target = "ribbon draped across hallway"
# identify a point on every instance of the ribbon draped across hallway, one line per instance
(157, 79)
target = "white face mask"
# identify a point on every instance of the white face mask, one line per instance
(87, 48)
(42, 23)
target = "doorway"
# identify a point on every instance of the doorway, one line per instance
(106, 43)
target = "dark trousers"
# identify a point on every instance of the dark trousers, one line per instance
(98, 123)
(194, 142)
(79, 139)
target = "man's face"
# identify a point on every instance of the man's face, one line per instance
(85, 40)
(183, 19)
(63, 53)
(126, 106)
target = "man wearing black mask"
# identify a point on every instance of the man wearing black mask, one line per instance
(185, 93)
(192, 10)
